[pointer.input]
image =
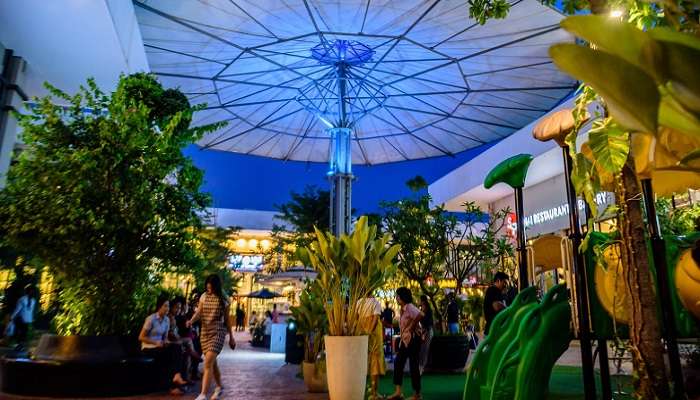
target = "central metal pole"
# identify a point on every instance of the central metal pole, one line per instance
(341, 161)
(581, 283)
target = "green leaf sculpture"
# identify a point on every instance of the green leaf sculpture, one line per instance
(511, 171)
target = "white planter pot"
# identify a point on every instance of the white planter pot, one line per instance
(346, 366)
(314, 379)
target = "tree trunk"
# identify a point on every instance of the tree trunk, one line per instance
(645, 332)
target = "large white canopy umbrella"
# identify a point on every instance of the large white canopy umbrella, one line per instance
(355, 81)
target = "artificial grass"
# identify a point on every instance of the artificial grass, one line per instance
(565, 384)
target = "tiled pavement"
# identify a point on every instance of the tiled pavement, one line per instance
(248, 374)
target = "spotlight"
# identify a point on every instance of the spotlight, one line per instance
(616, 13)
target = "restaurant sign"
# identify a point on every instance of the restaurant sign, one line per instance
(602, 199)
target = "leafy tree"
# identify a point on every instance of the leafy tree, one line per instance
(302, 213)
(104, 196)
(420, 231)
(475, 242)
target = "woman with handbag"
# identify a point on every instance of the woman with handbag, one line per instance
(409, 346)
(215, 316)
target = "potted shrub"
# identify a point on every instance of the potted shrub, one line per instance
(104, 196)
(349, 269)
(312, 323)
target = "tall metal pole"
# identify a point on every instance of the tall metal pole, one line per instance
(523, 278)
(341, 162)
(581, 282)
(659, 254)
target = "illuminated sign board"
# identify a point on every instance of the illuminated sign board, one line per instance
(246, 262)
(602, 199)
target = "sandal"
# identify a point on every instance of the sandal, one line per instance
(201, 397)
(217, 393)
(176, 392)
(395, 397)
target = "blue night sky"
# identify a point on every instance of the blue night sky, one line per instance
(250, 182)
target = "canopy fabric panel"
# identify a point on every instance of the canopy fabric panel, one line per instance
(447, 83)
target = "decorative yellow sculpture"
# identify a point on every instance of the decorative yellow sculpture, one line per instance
(688, 282)
(610, 286)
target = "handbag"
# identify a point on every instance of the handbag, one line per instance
(10, 329)
(473, 341)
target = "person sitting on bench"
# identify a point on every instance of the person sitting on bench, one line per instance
(155, 344)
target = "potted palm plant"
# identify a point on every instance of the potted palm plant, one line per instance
(312, 323)
(349, 269)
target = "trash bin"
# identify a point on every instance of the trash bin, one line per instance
(294, 346)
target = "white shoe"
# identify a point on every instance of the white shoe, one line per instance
(217, 393)
(201, 397)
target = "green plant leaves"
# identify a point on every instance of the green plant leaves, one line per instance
(673, 115)
(614, 37)
(629, 92)
(349, 268)
(610, 145)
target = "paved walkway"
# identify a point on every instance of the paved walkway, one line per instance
(249, 374)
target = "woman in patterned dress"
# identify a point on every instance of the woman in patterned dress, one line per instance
(214, 313)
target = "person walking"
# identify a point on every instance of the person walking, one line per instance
(215, 316)
(452, 314)
(494, 299)
(369, 310)
(387, 316)
(23, 316)
(427, 331)
(409, 345)
(240, 318)
(275, 314)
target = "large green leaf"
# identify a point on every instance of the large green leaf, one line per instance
(679, 67)
(673, 115)
(629, 92)
(670, 36)
(610, 146)
(616, 37)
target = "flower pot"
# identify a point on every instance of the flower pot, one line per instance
(346, 365)
(315, 380)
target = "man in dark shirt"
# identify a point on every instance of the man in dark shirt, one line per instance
(452, 314)
(494, 300)
(387, 316)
